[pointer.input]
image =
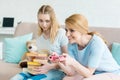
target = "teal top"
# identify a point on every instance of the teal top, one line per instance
(95, 55)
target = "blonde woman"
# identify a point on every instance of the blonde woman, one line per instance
(52, 38)
(90, 57)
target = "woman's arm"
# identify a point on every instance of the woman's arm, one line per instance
(45, 68)
(82, 70)
(67, 69)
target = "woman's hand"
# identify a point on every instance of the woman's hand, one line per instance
(55, 58)
(66, 65)
(68, 60)
(42, 69)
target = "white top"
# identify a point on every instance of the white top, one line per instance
(60, 40)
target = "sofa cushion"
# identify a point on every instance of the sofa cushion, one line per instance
(116, 51)
(8, 70)
(14, 48)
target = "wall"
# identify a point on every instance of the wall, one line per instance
(104, 13)
(100, 13)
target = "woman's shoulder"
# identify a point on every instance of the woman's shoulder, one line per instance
(97, 41)
(97, 38)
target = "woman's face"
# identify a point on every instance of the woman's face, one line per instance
(44, 21)
(73, 35)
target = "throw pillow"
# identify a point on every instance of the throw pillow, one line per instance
(116, 51)
(14, 48)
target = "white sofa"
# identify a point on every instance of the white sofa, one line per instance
(7, 70)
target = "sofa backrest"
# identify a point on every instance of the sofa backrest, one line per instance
(25, 28)
(110, 34)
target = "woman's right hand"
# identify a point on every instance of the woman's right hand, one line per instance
(55, 58)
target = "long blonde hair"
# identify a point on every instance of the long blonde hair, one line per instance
(80, 23)
(46, 9)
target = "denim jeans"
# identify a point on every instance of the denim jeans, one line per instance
(53, 74)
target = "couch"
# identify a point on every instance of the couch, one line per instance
(7, 70)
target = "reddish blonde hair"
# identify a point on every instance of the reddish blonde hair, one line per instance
(80, 23)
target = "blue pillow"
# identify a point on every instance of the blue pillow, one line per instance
(116, 51)
(14, 48)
